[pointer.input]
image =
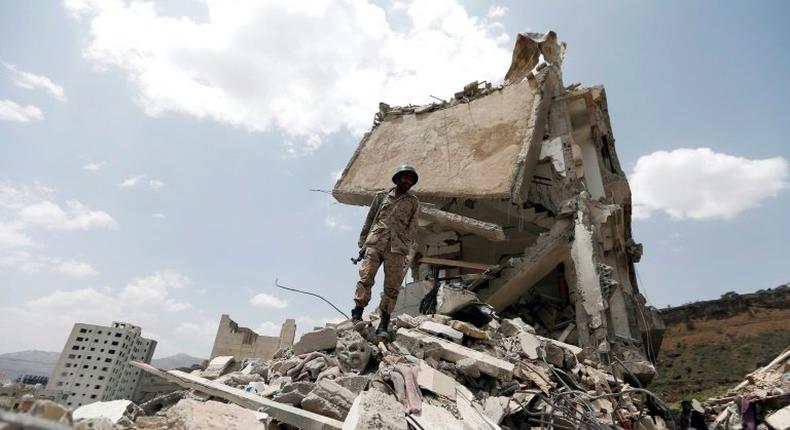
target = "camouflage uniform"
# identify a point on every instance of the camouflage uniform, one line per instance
(386, 236)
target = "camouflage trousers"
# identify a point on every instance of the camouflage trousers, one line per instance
(394, 271)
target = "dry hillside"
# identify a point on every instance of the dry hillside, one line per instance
(710, 346)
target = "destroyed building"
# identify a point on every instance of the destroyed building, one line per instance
(94, 364)
(523, 202)
(243, 342)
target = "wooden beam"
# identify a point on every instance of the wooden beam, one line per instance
(465, 224)
(456, 263)
(279, 411)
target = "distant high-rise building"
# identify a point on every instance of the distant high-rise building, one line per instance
(94, 364)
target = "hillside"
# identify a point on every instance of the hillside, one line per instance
(710, 346)
(176, 361)
(15, 364)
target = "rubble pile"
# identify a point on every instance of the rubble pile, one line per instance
(436, 373)
(761, 401)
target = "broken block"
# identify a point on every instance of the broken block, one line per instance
(375, 410)
(435, 381)
(469, 330)
(218, 366)
(329, 399)
(325, 338)
(449, 351)
(442, 330)
(529, 345)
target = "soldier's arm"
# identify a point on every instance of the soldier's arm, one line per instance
(412, 230)
(374, 206)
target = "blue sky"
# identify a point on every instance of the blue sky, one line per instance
(157, 159)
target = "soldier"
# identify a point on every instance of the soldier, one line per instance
(388, 233)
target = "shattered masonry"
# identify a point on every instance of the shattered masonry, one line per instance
(243, 342)
(524, 180)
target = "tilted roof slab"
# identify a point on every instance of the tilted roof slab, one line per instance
(486, 148)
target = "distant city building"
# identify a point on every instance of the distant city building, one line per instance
(94, 364)
(243, 342)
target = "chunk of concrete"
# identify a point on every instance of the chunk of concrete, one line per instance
(329, 399)
(780, 419)
(408, 321)
(318, 340)
(513, 326)
(436, 418)
(352, 351)
(51, 411)
(529, 345)
(189, 414)
(435, 381)
(95, 424)
(294, 393)
(496, 408)
(492, 366)
(354, 383)
(469, 330)
(442, 330)
(218, 366)
(114, 410)
(375, 410)
(554, 354)
(449, 299)
(468, 367)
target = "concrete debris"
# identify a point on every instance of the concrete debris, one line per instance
(193, 415)
(318, 340)
(442, 331)
(375, 410)
(218, 366)
(330, 399)
(763, 398)
(117, 411)
(51, 411)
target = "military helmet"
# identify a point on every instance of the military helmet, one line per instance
(405, 168)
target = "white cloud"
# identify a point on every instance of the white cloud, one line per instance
(332, 223)
(32, 81)
(264, 300)
(75, 216)
(159, 215)
(497, 11)
(702, 184)
(305, 324)
(268, 328)
(76, 268)
(205, 328)
(10, 111)
(153, 291)
(25, 210)
(27, 262)
(92, 167)
(156, 184)
(268, 64)
(144, 301)
(136, 180)
(132, 181)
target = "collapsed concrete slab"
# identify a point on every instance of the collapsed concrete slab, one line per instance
(453, 352)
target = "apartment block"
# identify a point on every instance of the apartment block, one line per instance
(94, 364)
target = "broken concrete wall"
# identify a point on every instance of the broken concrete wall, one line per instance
(243, 342)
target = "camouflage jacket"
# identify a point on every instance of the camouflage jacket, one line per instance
(395, 227)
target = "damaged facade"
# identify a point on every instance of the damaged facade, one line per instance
(243, 342)
(523, 202)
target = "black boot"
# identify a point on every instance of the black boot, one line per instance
(356, 313)
(384, 324)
